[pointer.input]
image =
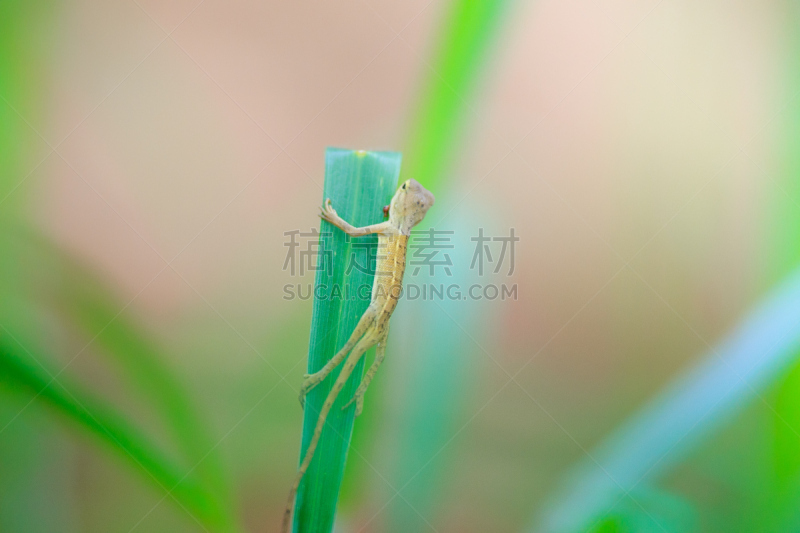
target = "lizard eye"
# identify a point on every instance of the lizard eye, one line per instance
(404, 185)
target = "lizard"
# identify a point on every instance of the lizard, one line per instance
(407, 209)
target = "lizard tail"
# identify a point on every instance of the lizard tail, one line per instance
(288, 514)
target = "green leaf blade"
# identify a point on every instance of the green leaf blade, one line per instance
(19, 374)
(91, 305)
(359, 184)
(467, 34)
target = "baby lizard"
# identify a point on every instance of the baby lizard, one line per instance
(407, 209)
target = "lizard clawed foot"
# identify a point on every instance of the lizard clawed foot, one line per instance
(309, 382)
(359, 399)
(302, 399)
(327, 212)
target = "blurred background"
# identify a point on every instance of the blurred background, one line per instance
(645, 378)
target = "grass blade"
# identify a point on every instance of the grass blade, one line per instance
(359, 184)
(468, 32)
(783, 245)
(466, 36)
(18, 373)
(92, 306)
(441, 339)
(689, 410)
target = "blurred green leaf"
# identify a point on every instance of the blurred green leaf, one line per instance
(786, 443)
(784, 243)
(21, 374)
(464, 40)
(466, 35)
(692, 408)
(649, 508)
(359, 184)
(21, 73)
(84, 299)
(783, 213)
(80, 296)
(445, 357)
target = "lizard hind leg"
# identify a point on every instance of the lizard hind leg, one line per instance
(358, 397)
(362, 346)
(312, 380)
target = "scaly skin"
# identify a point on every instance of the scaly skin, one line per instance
(408, 208)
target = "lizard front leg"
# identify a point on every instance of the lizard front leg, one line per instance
(380, 354)
(329, 214)
(312, 380)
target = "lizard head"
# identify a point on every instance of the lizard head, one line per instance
(409, 205)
